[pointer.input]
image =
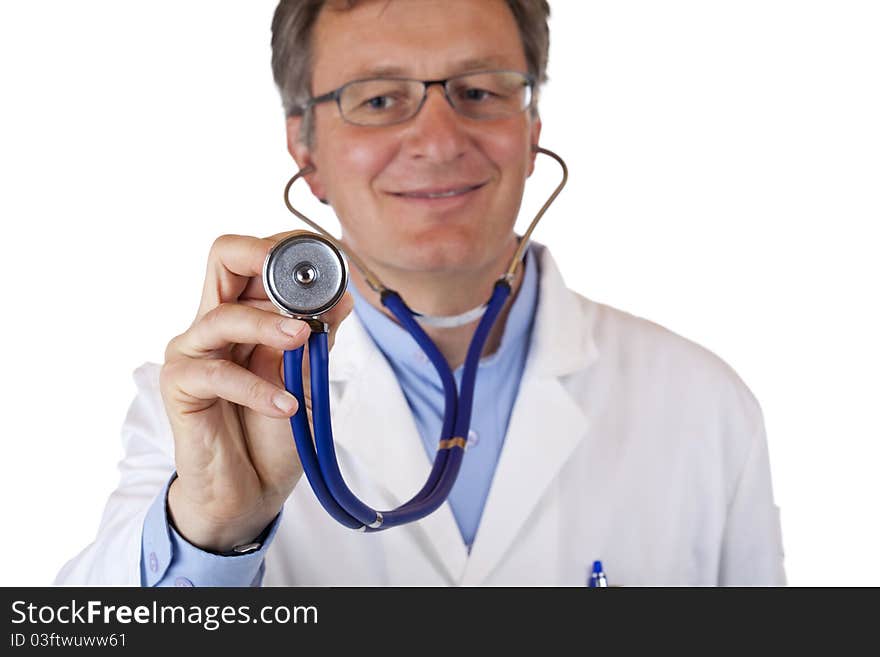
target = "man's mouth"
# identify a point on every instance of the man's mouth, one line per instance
(446, 192)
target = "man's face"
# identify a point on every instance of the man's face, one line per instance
(384, 182)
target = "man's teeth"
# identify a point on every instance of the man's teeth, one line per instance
(452, 192)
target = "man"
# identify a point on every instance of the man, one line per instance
(596, 435)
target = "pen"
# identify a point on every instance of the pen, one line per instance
(597, 577)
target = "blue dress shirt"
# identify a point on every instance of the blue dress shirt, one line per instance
(167, 559)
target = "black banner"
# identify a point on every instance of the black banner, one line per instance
(228, 620)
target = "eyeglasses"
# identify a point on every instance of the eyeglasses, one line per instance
(386, 101)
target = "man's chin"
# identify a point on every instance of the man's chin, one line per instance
(447, 258)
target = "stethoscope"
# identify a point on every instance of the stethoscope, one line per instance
(305, 275)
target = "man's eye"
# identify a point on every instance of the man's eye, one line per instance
(379, 102)
(475, 94)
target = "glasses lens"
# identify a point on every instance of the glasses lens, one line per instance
(490, 95)
(379, 101)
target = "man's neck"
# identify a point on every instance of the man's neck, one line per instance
(448, 295)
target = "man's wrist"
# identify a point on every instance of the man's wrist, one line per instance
(221, 538)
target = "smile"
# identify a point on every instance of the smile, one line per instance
(439, 193)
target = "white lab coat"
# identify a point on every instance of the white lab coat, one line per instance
(627, 443)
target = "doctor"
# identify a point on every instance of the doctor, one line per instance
(597, 435)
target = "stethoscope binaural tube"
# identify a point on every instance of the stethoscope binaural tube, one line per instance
(304, 276)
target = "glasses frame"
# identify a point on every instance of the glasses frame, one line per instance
(336, 95)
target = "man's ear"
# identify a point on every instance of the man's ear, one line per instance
(535, 139)
(302, 155)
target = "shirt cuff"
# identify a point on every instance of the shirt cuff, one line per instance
(168, 559)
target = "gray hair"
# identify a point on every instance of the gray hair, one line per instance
(292, 48)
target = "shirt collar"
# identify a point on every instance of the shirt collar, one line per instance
(400, 348)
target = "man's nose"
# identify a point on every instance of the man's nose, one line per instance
(436, 132)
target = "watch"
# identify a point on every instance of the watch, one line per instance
(244, 548)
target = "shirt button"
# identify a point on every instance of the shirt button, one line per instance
(154, 562)
(182, 581)
(473, 439)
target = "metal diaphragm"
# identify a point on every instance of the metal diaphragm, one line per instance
(305, 275)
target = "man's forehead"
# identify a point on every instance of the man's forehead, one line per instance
(455, 66)
(414, 38)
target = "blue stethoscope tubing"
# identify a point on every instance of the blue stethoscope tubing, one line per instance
(319, 460)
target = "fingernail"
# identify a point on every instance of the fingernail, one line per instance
(292, 327)
(285, 402)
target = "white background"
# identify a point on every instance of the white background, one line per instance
(725, 165)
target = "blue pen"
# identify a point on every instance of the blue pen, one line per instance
(597, 577)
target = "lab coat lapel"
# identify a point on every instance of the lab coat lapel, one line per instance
(546, 426)
(375, 433)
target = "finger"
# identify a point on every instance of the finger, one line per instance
(232, 323)
(240, 354)
(334, 317)
(262, 304)
(234, 260)
(254, 288)
(191, 385)
(268, 364)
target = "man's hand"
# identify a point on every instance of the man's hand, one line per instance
(224, 395)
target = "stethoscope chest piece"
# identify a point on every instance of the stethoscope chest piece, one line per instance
(305, 275)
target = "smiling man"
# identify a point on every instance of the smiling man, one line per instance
(596, 435)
